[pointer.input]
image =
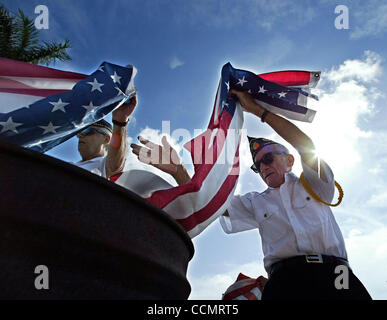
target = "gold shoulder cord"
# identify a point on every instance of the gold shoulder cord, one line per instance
(316, 197)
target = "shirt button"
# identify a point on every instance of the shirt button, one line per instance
(265, 215)
(308, 198)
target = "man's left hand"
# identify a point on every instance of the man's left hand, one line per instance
(123, 113)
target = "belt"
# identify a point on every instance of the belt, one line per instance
(307, 259)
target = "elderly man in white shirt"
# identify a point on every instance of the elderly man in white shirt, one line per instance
(301, 241)
(103, 146)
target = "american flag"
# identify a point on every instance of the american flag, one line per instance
(244, 288)
(42, 107)
(283, 92)
(215, 153)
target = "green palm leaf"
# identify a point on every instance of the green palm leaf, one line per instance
(19, 41)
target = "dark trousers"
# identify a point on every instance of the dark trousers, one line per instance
(314, 281)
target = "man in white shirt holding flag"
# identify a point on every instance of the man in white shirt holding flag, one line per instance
(103, 146)
(41, 107)
(301, 241)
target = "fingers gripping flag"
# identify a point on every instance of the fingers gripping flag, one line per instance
(42, 107)
(215, 153)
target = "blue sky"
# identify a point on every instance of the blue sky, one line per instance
(179, 48)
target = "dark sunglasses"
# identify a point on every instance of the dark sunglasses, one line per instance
(89, 130)
(267, 159)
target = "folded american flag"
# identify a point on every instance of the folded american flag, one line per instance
(215, 153)
(42, 107)
(244, 288)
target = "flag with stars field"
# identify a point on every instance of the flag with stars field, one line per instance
(41, 107)
(215, 153)
(283, 92)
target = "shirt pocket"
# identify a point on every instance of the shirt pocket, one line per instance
(301, 198)
(271, 226)
(307, 208)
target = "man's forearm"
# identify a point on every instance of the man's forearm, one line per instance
(115, 160)
(117, 148)
(285, 129)
(291, 133)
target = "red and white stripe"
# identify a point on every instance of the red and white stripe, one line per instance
(293, 78)
(244, 288)
(23, 83)
(197, 204)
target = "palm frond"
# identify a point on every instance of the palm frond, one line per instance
(25, 35)
(49, 52)
(6, 31)
(19, 40)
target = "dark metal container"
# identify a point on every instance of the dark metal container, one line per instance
(97, 239)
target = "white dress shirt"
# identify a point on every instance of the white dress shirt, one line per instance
(142, 182)
(289, 220)
(96, 165)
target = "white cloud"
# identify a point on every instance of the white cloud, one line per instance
(345, 98)
(368, 258)
(378, 200)
(367, 70)
(175, 63)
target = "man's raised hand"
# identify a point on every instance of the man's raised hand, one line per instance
(123, 112)
(163, 157)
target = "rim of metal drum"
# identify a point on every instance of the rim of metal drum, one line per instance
(51, 161)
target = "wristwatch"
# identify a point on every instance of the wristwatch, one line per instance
(120, 124)
(265, 113)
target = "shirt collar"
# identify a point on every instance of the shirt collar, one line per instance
(289, 177)
(91, 160)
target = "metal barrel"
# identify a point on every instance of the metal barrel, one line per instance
(66, 233)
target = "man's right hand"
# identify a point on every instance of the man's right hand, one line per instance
(123, 113)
